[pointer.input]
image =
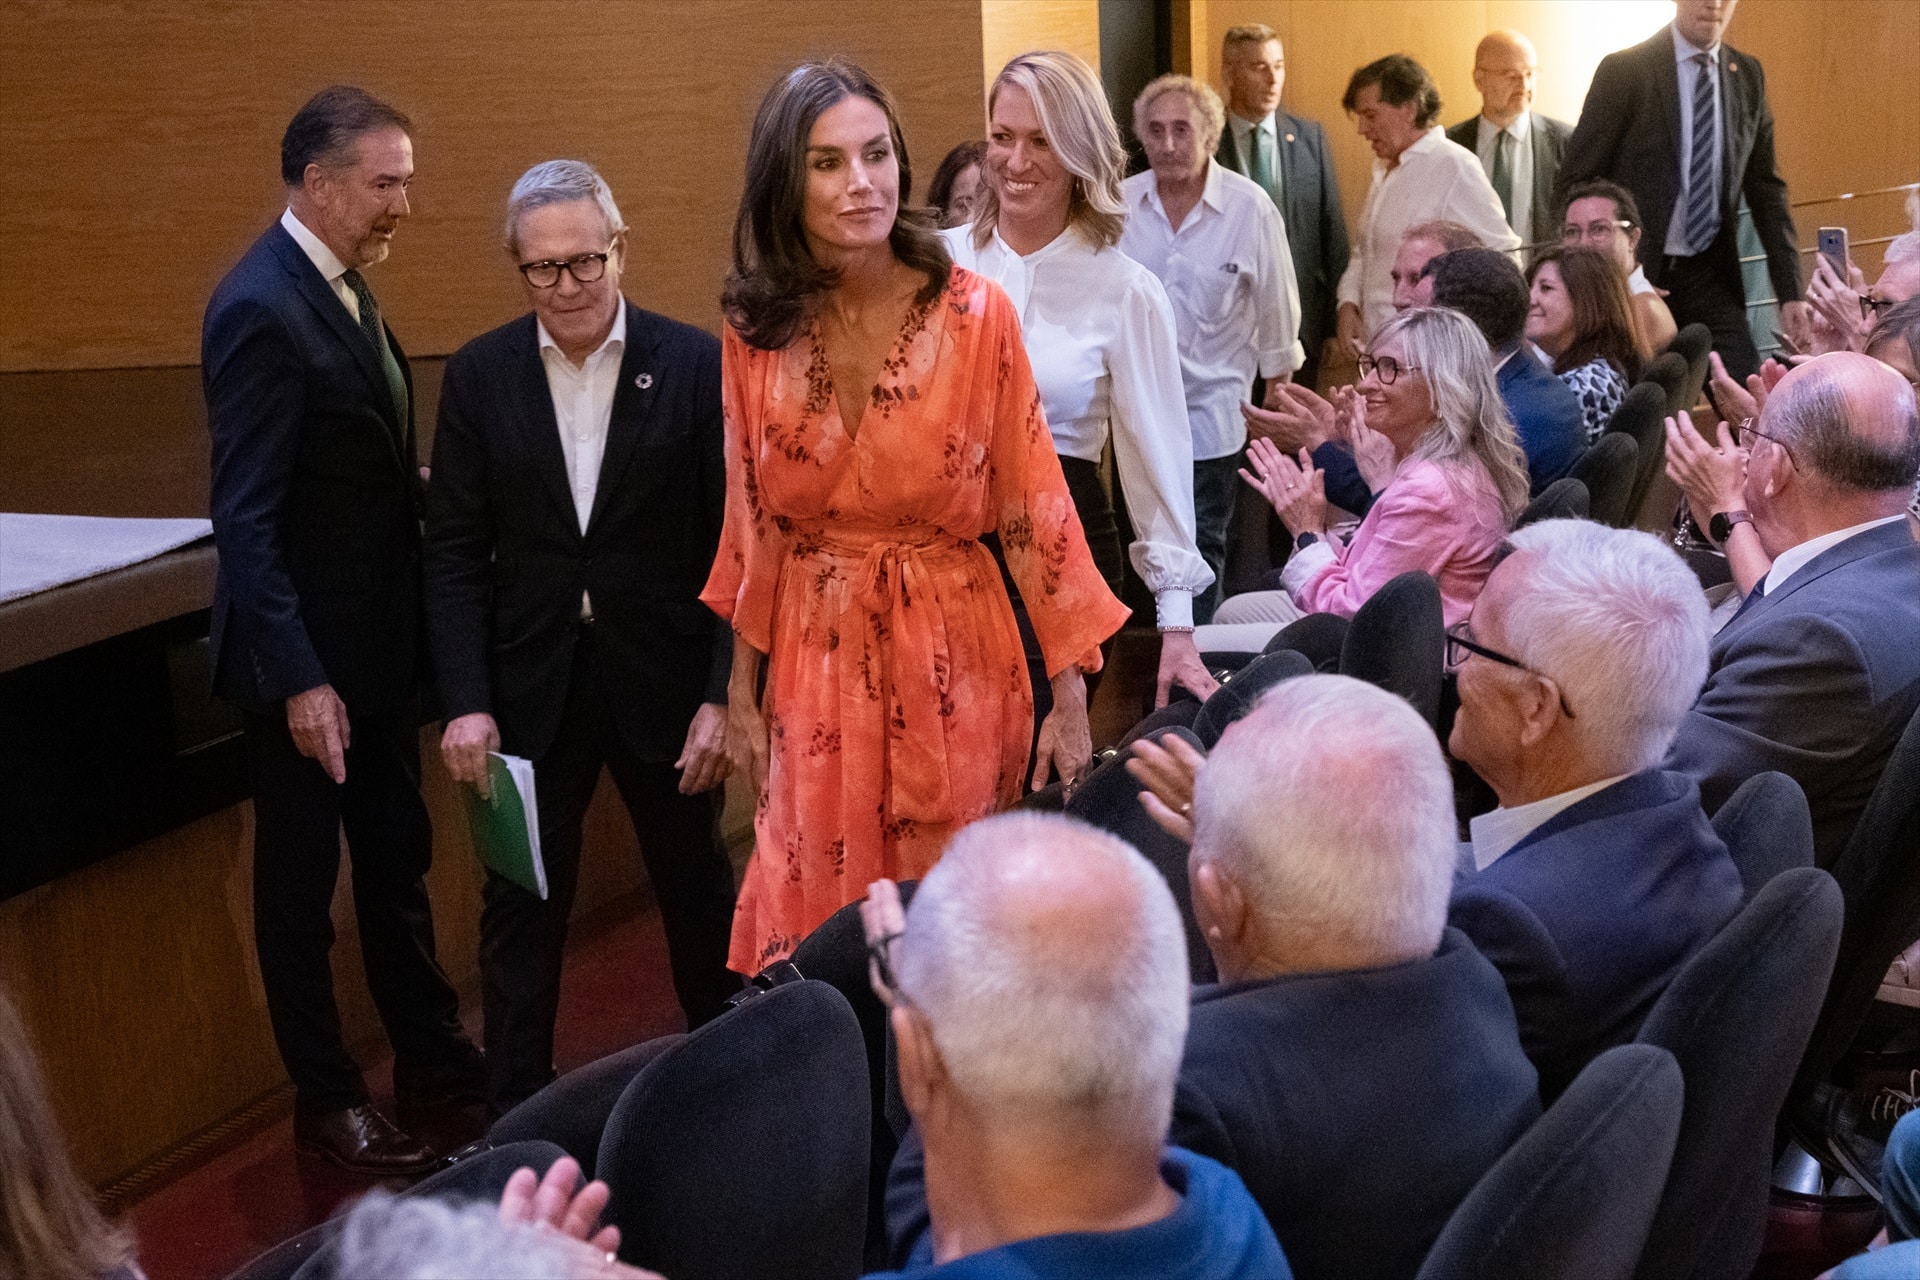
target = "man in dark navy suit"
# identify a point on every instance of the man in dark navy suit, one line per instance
(1286, 156)
(1681, 120)
(1599, 874)
(317, 626)
(1819, 672)
(1358, 1063)
(578, 486)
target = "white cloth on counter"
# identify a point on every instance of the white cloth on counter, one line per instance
(40, 552)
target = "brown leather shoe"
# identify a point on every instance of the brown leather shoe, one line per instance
(361, 1140)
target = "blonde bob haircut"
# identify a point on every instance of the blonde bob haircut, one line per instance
(1470, 420)
(1207, 106)
(1079, 127)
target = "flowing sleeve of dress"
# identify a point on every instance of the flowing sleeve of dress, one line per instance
(746, 569)
(1046, 549)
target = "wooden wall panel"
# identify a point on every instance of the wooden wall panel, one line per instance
(142, 145)
(1012, 27)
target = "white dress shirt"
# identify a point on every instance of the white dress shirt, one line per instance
(1435, 179)
(1100, 336)
(1520, 160)
(331, 269)
(1236, 304)
(583, 410)
(1793, 559)
(1638, 282)
(1496, 832)
(1686, 72)
(1268, 137)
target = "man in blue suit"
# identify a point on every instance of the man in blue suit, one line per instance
(1819, 672)
(1599, 874)
(1286, 156)
(317, 626)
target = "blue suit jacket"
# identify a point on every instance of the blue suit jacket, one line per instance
(1591, 915)
(315, 496)
(1817, 681)
(1545, 411)
(1284, 1082)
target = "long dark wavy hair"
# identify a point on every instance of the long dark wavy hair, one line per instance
(1603, 323)
(775, 281)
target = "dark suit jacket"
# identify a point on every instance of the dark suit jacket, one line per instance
(1546, 414)
(1284, 1082)
(1629, 131)
(315, 495)
(1310, 206)
(1548, 139)
(1590, 916)
(506, 561)
(1817, 681)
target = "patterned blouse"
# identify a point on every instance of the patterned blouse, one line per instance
(1601, 388)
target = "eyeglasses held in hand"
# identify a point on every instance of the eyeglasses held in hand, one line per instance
(583, 267)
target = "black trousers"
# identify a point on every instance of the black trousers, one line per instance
(298, 813)
(1707, 289)
(522, 938)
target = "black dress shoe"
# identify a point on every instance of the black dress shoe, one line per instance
(361, 1140)
(1844, 1132)
(422, 1097)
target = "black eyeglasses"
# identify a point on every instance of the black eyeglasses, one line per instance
(1386, 367)
(880, 953)
(583, 267)
(1871, 306)
(1573, 233)
(1459, 646)
(1747, 428)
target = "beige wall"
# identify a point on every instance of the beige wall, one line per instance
(1809, 48)
(1011, 27)
(141, 147)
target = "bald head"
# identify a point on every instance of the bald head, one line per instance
(1049, 960)
(1850, 421)
(1503, 70)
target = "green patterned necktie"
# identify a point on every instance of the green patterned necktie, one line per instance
(376, 335)
(1259, 162)
(1503, 172)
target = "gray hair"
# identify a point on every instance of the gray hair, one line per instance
(1471, 421)
(1205, 102)
(421, 1238)
(560, 182)
(1031, 1029)
(1331, 806)
(1619, 621)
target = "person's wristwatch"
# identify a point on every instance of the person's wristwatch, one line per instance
(1305, 540)
(1720, 527)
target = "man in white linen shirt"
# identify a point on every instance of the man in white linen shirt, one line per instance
(1418, 176)
(1218, 245)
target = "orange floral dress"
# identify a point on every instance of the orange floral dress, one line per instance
(897, 702)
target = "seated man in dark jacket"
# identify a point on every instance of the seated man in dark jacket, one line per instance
(1358, 1063)
(1599, 874)
(1819, 672)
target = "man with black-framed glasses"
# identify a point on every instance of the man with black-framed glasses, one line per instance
(573, 515)
(1598, 874)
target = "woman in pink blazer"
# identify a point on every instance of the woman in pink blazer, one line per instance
(1433, 439)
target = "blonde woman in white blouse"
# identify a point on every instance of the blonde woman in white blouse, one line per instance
(1098, 329)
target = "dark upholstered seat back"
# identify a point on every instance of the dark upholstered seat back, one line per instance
(1398, 641)
(743, 1150)
(1767, 828)
(1235, 697)
(1736, 1018)
(1642, 415)
(572, 1111)
(1564, 499)
(1608, 468)
(1573, 1198)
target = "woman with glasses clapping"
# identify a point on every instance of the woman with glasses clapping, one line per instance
(1433, 440)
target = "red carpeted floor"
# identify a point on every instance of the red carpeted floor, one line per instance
(253, 1193)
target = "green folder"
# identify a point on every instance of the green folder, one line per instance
(506, 824)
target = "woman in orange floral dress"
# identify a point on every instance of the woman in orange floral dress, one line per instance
(881, 417)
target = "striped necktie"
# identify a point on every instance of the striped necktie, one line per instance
(1703, 184)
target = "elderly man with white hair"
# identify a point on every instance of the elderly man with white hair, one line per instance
(1599, 874)
(1038, 993)
(1217, 243)
(1320, 881)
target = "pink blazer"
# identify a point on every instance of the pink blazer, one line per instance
(1444, 520)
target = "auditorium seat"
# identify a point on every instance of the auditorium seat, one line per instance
(1609, 468)
(1767, 828)
(572, 1111)
(1564, 499)
(1235, 697)
(1397, 640)
(1642, 417)
(1692, 344)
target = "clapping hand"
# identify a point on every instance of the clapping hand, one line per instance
(1294, 417)
(1712, 476)
(1298, 491)
(1735, 401)
(1373, 453)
